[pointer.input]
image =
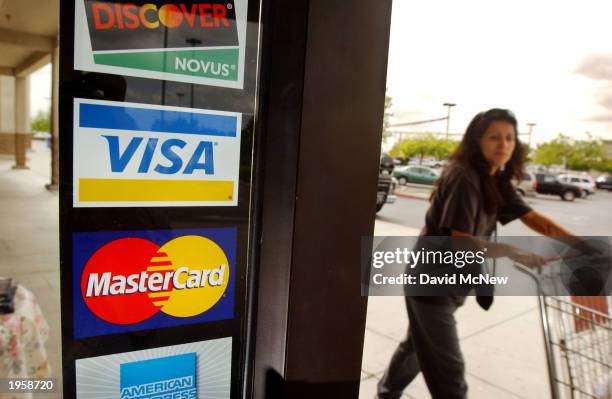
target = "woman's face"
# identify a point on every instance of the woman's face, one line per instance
(497, 143)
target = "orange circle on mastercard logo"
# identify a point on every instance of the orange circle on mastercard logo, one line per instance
(170, 15)
(131, 279)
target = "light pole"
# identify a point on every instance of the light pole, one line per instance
(448, 106)
(531, 125)
(194, 42)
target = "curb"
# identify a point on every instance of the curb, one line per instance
(412, 196)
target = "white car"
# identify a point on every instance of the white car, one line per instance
(586, 183)
(527, 187)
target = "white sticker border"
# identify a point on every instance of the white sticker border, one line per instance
(144, 204)
(84, 60)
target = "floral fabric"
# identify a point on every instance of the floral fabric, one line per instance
(22, 341)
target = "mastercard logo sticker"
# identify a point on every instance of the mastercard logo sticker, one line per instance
(129, 281)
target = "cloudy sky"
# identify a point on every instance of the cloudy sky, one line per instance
(548, 61)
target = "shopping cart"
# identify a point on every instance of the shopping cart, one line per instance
(577, 335)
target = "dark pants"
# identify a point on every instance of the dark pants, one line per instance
(432, 347)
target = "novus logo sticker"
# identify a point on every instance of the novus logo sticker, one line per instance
(194, 42)
(145, 155)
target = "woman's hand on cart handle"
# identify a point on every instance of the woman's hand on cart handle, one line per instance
(499, 249)
(530, 259)
(586, 248)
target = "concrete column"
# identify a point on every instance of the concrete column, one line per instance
(54, 120)
(7, 115)
(22, 120)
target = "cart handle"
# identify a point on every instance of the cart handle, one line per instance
(531, 273)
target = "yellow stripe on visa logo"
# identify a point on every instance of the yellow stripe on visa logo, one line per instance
(137, 155)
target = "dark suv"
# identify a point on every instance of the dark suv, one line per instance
(386, 182)
(604, 183)
(549, 184)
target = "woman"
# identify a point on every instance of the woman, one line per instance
(473, 194)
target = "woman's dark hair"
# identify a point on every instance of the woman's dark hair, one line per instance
(468, 154)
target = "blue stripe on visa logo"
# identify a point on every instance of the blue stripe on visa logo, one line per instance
(115, 117)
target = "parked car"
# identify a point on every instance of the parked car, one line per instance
(416, 174)
(551, 185)
(433, 163)
(527, 186)
(586, 183)
(604, 183)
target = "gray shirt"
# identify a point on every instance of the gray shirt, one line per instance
(458, 204)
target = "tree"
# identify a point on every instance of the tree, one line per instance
(444, 148)
(586, 155)
(574, 154)
(424, 145)
(554, 152)
(528, 152)
(41, 122)
(604, 166)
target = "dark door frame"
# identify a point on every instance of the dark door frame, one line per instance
(322, 96)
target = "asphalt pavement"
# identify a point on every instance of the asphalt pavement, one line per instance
(587, 217)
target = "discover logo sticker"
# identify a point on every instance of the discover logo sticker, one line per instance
(200, 42)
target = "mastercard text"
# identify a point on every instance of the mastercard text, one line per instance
(105, 284)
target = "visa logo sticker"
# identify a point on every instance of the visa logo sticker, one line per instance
(135, 155)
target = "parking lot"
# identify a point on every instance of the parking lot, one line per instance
(589, 217)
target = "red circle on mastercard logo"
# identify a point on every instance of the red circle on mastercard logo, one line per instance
(128, 256)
